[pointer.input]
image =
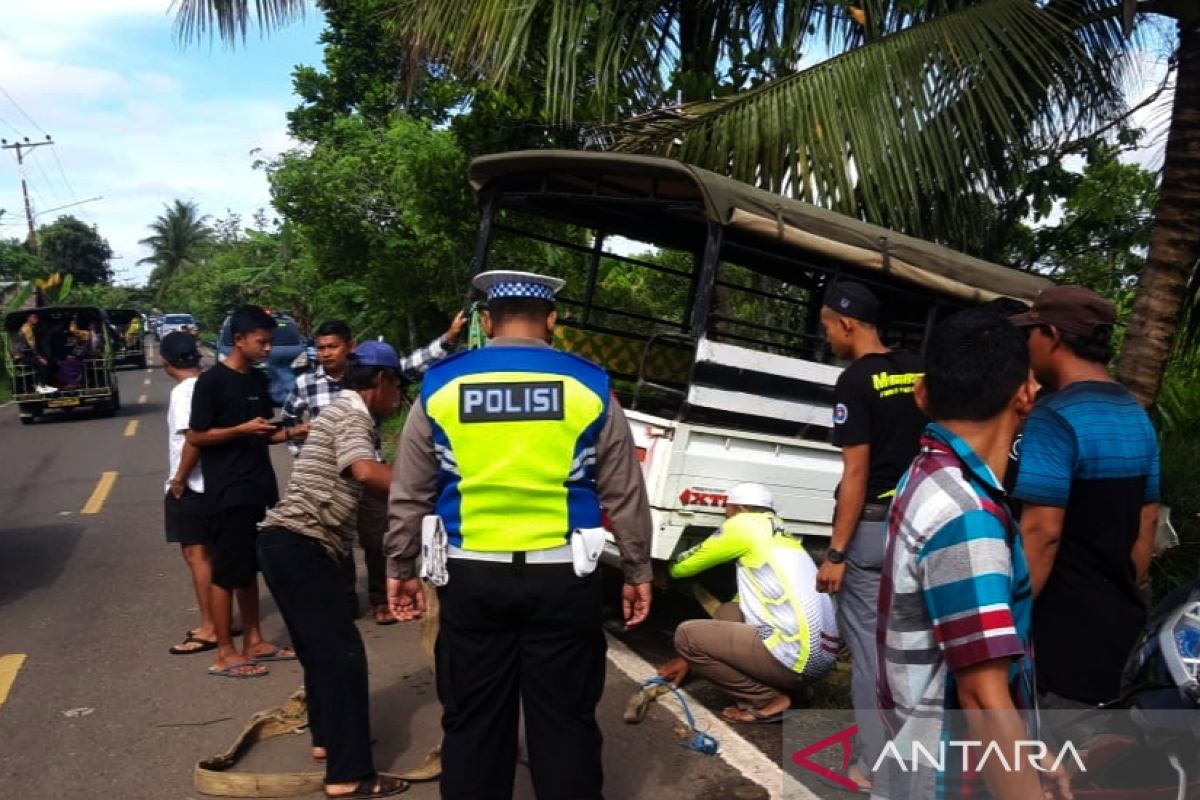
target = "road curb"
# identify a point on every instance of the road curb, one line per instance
(735, 750)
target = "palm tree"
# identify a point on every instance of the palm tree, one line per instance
(181, 236)
(919, 110)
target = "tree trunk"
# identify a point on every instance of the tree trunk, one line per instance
(1175, 242)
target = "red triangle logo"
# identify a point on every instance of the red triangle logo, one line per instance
(843, 737)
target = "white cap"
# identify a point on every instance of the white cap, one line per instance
(750, 494)
(506, 283)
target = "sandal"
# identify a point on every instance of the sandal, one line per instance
(379, 785)
(201, 645)
(276, 653)
(246, 669)
(758, 718)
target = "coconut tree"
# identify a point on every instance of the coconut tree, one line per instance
(180, 236)
(904, 112)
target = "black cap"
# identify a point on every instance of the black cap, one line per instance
(853, 300)
(179, 349)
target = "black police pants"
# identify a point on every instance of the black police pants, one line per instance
(525, 636)
(307, 586)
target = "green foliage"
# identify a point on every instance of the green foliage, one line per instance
(75, 248)
(388, 209)
(17, 263)
(1178, 419)
(179, 236)
(365, 73)
(1103, 234)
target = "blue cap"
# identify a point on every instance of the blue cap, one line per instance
(376, 354)
(498, 284)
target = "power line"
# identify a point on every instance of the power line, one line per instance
(10, 126)
(17, 105)
(63, 173)
(49, 186)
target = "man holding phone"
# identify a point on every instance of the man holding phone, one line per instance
(229, 425)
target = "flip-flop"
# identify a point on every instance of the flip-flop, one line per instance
(759, 719)
(231, 671)
(182, 648)
(236, 631)
(389, 785)
(276, 654)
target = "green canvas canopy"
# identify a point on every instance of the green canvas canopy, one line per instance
(669, 203)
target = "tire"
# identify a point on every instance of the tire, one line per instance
(29, 412)
(115, 402)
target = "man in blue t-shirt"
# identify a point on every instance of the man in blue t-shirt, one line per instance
(1089, 482)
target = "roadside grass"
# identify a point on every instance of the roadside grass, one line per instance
(5, 388)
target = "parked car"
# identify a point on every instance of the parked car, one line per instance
(176, 322)
(289, 355)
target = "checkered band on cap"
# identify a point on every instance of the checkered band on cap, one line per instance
(536, 291)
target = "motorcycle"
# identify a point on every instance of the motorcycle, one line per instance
(1145, 745)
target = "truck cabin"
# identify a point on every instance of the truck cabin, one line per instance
(700, 294)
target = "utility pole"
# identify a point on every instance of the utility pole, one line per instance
(20, 147)
(32, 242)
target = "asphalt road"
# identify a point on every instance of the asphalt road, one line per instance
(97, 708)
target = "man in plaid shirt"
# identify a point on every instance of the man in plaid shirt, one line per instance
(313, 392)
(955, 598)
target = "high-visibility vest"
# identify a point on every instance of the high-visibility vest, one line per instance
(515, 432)
(777, 589)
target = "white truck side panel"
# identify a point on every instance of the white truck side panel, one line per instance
(688, 468)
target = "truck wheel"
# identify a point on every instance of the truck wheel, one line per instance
(116, 396)
(29, 412)
(27, 420)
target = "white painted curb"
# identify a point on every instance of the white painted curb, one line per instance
(736, 751)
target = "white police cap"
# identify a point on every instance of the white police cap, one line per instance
(500, 283)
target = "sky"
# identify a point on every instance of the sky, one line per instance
(138, 119)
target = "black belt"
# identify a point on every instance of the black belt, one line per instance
(874, 512)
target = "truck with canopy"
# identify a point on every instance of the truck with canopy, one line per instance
(701, 296)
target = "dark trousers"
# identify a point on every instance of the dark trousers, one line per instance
(308, 589)
(515, 637)
(372, 524)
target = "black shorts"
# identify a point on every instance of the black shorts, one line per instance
(187, 519)
(234, 561)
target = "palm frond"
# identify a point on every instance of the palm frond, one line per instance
(230, 19)
(933, 111)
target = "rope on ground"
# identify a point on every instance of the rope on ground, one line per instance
(214, 776)
(700, 741)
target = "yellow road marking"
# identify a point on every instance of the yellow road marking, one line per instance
(131, 427)
(142, 399)
(147, 381)
(103, 487)
(9, 666)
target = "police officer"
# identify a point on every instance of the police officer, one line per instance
(877, 424)
(515, 446)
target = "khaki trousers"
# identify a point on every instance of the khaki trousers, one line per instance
(730, 654)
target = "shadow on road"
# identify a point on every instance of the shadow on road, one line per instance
(31, 558)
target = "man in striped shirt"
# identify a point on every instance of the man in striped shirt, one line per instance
(315, 391)
(955, 598)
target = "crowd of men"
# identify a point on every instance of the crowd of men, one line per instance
(942, 583)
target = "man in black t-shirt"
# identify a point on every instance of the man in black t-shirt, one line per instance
(877, 424)
(231, 406)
